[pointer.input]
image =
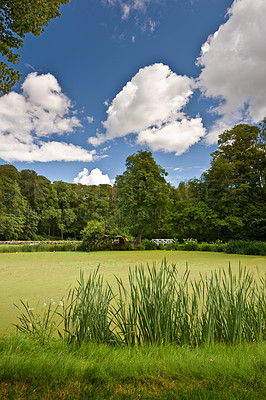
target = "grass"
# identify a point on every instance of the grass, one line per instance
(29, 370)
(154, 369)
(42, 276)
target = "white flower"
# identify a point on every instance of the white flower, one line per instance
(44, 304)
(61, 303)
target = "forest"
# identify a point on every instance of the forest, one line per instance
(227, 202)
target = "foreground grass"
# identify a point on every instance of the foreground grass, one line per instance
(29, 370)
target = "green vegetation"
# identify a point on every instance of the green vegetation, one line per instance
(40, 247)
(227, 203)
(41, 276)
(157, 306)
(250, 247)
(29, 370)
(176, 322)
(143, 195)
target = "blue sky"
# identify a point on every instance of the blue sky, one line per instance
(111, 77)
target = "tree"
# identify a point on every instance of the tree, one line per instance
(12, 204)
(97, 235)
(143, 194)
(235, 183)
(195, 220)
(67, 200)
(17, 18)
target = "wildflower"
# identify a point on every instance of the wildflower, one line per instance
(52, 302)
(44, 304)
(61, 303)
(30, 309)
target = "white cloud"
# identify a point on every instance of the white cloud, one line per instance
(233, 64)
(150, 105)
(39, 111)
(90, 120)
(176, 136)
(127, 6)
(14, 150)
(95, 177)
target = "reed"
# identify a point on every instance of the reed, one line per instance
(159, 306)
(86, 314)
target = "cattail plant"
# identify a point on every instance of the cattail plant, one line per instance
(86, 314)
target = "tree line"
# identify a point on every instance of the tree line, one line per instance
(227, 202)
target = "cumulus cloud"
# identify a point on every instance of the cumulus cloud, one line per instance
(233, 64)
(176, 136)
(150, 105)
(14, 150)
(39, 111)
(95, 177)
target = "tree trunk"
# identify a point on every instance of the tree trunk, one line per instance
(139, 237)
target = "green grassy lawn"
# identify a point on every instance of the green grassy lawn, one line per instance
(29, 370)
(41, 276)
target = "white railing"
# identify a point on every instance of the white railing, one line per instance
(162, 241)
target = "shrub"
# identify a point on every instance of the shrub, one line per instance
(245, 247)
(129, 246)
(91, 235)
(191, 245)
(206, 247)
(147, 244)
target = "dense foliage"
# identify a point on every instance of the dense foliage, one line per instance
(228, 202)
(144, 195)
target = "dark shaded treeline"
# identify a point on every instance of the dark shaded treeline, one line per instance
(228, 202)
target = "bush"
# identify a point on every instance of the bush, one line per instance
(245, 247)
(91, 235)
(128, 246)
(206, 247)
(191, 245)
(147, 244)
(218, 246)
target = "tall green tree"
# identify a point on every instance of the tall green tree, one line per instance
(235, 183)
(194, 219)
(143, 194)
(17, 18)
